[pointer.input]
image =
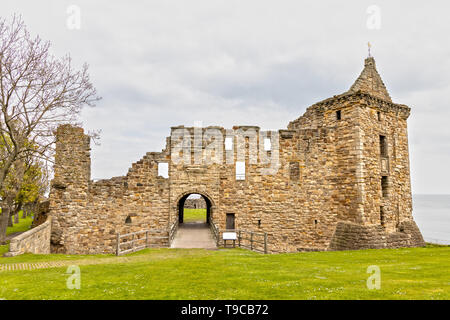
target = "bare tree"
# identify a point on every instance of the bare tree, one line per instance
(37, 93)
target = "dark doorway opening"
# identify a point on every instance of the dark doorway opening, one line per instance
(194, 207)
(230, 221)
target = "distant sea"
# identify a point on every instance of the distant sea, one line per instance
(432, 214)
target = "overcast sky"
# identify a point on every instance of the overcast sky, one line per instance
(158, 64)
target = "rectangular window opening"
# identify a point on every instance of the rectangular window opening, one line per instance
(379, 115)
(240, 170)
(228, 144)
(163, 170)
(382, 216)
(384, 186)
(267, 144)
(383, 146)
(338, 115)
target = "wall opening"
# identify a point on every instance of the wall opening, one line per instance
(383, 147)
(163, 169)
(382, 216)
(338, 115)
(267, 144)
(128, 220)
(384, 186)
(379, 115)
(228, 144)
(231, 224)
(240, 170)
(194, 208)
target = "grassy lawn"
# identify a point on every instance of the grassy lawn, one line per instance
(23, 225)
(193, 215)
(410, 273)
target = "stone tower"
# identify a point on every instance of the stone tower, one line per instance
(70, 187)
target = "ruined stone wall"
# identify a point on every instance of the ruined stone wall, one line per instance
(88, 215)
(36, 240)
(325, 192)
(195, 204)
(69, 189)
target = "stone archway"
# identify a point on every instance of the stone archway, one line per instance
(182, 199)
(193, 234)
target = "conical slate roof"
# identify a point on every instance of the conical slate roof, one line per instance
(370, 81)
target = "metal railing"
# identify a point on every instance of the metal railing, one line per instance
(254, 241)
(215, 232)
(173, 231)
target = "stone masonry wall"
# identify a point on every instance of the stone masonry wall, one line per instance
(326, 194)
(90, 214)
(350, 236)
(36, 240)
(195, 204)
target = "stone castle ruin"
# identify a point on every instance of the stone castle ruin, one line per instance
(337, 178)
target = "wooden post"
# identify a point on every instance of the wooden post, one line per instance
(217, 237)
(118, 244)
(146, 239)
(265, 242)
(239, 238)
(251, 240)
(132, 243)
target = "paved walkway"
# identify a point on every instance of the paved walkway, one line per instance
(194, 235)
(59, 263)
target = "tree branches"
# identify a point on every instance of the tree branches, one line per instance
(38, 92)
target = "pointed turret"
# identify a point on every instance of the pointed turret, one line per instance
(370, 81)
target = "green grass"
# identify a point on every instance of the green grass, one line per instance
(4, 249)
(193, 215)
(23, 225)
(410, 273)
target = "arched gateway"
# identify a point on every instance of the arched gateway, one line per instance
(181, 200)
(337, 178)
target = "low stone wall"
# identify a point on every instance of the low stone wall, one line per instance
(36, 240)
(349, 236)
